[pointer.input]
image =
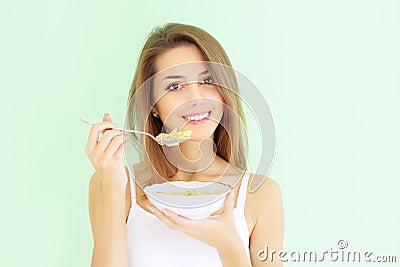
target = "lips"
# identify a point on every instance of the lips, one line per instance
(197, 116)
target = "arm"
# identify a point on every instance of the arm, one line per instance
(269, 226)
(234, 254)
(107, 194)
(107, 213)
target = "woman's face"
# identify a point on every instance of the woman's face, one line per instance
(185, 96)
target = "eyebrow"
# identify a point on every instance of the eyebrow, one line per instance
(181, 76)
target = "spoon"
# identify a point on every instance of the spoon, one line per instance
(174, 141)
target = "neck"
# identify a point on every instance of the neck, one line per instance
(197, 150)
(194, 158)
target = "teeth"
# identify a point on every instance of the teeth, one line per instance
(197, 117)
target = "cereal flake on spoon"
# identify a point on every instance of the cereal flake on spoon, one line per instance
(175, 134)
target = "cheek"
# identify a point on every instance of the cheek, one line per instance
(166, 105)
(219, 95)
(220, 98)
(215, 94)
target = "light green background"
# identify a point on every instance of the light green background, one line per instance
(328, 69)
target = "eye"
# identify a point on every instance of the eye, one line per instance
(207, 81)
(175, 86)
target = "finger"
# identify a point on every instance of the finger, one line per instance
(105, 140)
(163, 217)
(182, 222)
(95, 132)
(115, 143)
(229, 203)
(107, 117)
(120, 151)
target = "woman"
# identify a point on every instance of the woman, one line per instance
(129, 231)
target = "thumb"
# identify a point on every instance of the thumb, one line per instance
(229, 203)
(107, 117)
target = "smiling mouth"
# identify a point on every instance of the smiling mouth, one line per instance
(197, 116)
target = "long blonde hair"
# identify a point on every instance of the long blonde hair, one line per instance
(161, 39)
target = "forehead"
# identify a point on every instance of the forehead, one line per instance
(177, 56)
(183, 62)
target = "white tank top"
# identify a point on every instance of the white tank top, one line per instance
(151, 243)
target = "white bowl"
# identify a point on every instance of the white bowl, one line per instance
(191, 206)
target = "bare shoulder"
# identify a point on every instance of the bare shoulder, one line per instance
(265, 203)
(260, 186)
(264, 194)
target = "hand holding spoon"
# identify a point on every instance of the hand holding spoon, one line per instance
(164, 141)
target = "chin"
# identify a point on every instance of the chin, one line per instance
(200, 135)
(200, 138)
(202, 131)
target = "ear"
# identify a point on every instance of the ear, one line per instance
(154, 112)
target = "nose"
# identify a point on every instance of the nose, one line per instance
(195, 93)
